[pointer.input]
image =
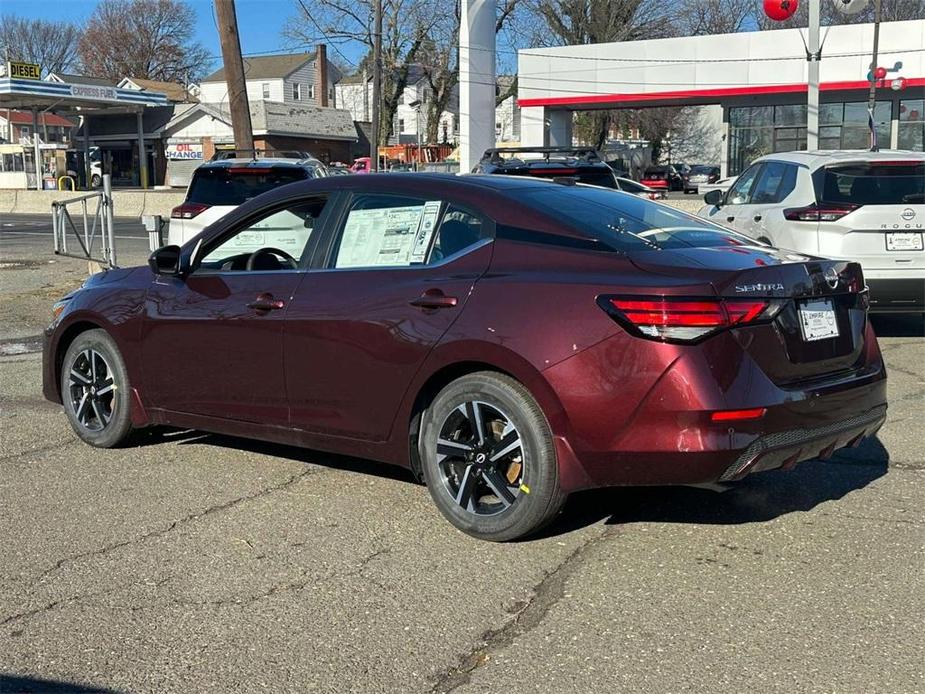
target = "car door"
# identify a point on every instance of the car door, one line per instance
(213, 340)
(397, 273)
(775, 182)
(736, 209)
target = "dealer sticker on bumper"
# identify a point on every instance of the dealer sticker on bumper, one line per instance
(817, 320)
(902, 241)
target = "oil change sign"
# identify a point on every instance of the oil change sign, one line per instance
(24, 71)
(183, 150)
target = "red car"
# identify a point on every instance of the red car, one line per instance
(509, 340)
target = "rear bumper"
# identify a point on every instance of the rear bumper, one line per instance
(897, 295)
(639, 413)
(785, 449)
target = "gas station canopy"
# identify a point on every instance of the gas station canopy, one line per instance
(40, 94)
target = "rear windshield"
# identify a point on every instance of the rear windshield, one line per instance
(872, 183)
(233, 186)
(656, 173)
(628, 222)
(589, 176)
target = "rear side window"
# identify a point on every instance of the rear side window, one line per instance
(872, 183)
(777, 182)
(236, 185)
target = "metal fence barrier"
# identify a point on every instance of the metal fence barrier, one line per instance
(96, 237)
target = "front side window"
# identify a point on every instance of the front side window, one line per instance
(276, 241)
(740, 193)
(776, 182)
(398, 231)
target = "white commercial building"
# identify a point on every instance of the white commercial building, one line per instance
(759, 79)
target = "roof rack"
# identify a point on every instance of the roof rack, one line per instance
(589, 154)
(222, 154)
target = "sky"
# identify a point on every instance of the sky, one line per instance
(259, 21)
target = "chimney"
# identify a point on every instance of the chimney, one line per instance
(321, 75)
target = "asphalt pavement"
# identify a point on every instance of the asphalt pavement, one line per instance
(191, 562)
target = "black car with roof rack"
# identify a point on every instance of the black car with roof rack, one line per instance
(578, 164)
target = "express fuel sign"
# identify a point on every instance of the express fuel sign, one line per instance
(25, 71)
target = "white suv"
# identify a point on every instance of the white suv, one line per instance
(218, 186)
(852, 205)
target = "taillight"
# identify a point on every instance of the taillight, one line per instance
(819, 213)
(685, 319)
(188, 210)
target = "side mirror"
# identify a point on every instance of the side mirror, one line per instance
(714, 197)
(165, 261)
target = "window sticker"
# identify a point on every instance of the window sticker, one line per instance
(381, 237)
(425, 231)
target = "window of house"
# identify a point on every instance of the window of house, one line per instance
(296, 91)
(401, 125)
(266, 90)
(311, 91)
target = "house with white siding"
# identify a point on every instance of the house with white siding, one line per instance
(306, 79)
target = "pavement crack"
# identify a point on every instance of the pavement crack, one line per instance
(173, 525)
(528, 615)
(41, 449)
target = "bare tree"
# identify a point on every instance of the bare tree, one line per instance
(697, 17)
(573, 22)
(53, 45)
(151, 39)
(406, 24)
(890, 11)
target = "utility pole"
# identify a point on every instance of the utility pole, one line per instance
(872, 99)
(377, 89)
(234, 74)
(813, 55)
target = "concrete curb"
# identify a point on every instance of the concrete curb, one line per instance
(129, 203)
(7, 201)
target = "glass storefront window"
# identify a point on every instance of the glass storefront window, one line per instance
(758, 130)
(912, 124)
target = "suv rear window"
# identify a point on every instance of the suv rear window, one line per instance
(591, 176)
(872, 183)
(628, 222)
(235, 185)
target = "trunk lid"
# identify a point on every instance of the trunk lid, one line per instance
(816, 297)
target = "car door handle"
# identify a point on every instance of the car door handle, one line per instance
(434, 298)
(757, 217)
(266, 302)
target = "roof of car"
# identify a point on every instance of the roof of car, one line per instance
(262, 162)
(814, 159)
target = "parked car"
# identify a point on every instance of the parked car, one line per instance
(629, 186)
(868, 207)
(581, 165)
(700, 175)
(509, 340)
(219, 186)
(667, 178)
(723, 184)
(361, 165)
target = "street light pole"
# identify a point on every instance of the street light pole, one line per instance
(377, 89)
(813, 56)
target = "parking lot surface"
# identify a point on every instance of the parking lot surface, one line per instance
(193, 562)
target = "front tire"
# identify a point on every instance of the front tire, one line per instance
(95, 390)
(488, 458)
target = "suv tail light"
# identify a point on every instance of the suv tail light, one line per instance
(819, 213)
(677, 319)
(188, 210)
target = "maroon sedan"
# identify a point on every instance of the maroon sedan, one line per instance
(508, 340)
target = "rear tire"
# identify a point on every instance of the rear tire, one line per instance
(95, 390)
(488, 458)
(95, 181)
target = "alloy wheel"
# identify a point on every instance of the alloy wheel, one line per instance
(481, 458)
(92, 390)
